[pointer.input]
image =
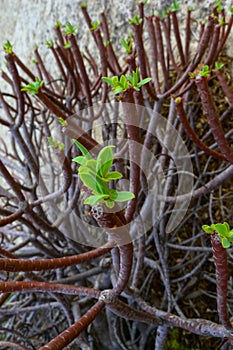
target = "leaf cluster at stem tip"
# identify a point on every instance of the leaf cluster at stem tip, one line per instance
(135, 20)
(69, 29)
(7, 47)
(34, 87)
(224, 232)
(127, 44)
(125, 82)
(95, 175)
(204, 72)
(175, 6)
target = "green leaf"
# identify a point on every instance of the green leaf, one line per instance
(82, 149)
(84, 4)
(91, 181)
(130, 78)
(34, 87)
(123, 196)
(225, 242)
(91, 164)
(62, 121)
(118, 90)
(7, 47)
(58, 24)
(221, 229)
(49, 43)
(144, 81)
(135, 77)
(175, 6)
(135, 20)
(104, 160)
(112, 175)
(207, 229)
(127, 44)
(98, 198)
(80, 160)
(108, 81)
(69, 29)
(227, 226)
(95, 25)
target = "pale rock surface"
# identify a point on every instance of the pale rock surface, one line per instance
(26, 23)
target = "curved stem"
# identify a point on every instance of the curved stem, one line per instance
(220, 261)
(16, 265)
(71, 333)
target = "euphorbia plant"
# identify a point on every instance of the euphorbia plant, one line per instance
(221, 238)
(95, 175)
(224, 232)
(126, 82)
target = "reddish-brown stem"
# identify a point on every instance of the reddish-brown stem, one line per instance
(228, 93)
(203, 44)
(153, 53)
(111, 53)
(141, 55)
(212, 53)
(17, 89)
(71, 79)
(133, 133)
(71, 333)
(220, 260)
(169, 47)
(187, 36)
(126, 260)
(213, 118)
(192, 134)
(24, 287)
(16, 265)
(177, 36)
(23, 67)
(121, 309)
(58, 62)
(41, 64)
(11, 218)
(160, 50)
(60, 37)
(80, 134)
(197, 326)
(226, 34)
(80, 64)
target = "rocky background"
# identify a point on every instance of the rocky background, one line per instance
(26, 23)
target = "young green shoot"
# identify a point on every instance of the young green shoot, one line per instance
(219, 6)
(49, 43)
(95, 25)
(7, 47)
(135, 20)
(218, 66)
(224, 232)
(127, 44)
(34, 87)
(69, 29)
(95, 175)
(126, 82)
(175, 6)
